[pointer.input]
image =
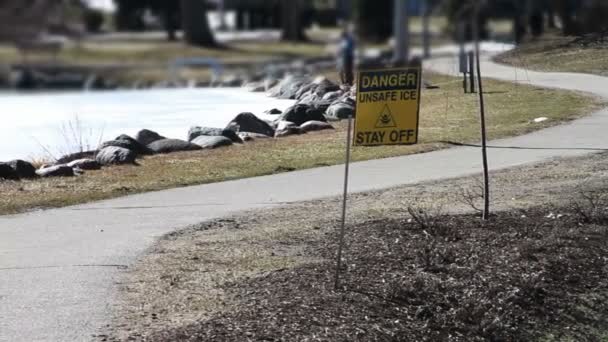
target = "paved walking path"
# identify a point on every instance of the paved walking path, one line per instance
(58, 268)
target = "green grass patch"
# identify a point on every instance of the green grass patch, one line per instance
(446, 115)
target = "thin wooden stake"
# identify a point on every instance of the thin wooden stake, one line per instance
(482, 115)
(344, 198)
(472, 71)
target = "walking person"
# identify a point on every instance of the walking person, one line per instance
(346, 57)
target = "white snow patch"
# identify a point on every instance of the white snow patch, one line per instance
(33, 120)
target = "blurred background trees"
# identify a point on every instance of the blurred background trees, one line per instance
(373, 18)
(22, 20)
(533, 17)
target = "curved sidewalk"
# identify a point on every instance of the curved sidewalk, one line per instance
(58, 268)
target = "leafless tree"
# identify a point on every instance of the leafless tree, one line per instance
(293, 28)
(195, 24)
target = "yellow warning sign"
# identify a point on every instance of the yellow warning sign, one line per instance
(388, 102)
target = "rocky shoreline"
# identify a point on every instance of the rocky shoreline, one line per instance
(318, 101)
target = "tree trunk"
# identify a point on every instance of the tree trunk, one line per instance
(537, 22)
(293, 29)
(373, 19)
(195, 23)
(566, 12)
(519, 29)
(171, 22)
(551, 16)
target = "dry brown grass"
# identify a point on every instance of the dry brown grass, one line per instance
(446, 115)
(126, 62)
(150, 53)
(560, 54)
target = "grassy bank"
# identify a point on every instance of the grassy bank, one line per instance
(127, 61)
(561, 54)
(146, 53)
(535, 272)
(446, 115)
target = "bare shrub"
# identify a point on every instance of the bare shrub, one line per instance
(472, 196)
(413, 290)
(433, 256)
(76, 137)
(431, 220)
(590, 206)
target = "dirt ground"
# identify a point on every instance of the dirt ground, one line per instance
(535, 272)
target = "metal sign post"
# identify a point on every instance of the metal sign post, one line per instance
(387, 110)
(344, 199)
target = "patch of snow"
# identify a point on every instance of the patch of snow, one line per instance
(32, 120)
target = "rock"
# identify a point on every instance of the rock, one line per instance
(7, 172)
(172, 145)
(211, 142)
(270, 82)
(287, 131)
(23, 169)
(325, 86)
(24, 79)
(63, 80)
(127, 142)
(272, 123)
(197, 131)
(61, 170)
(316, 90)
(146, 137)
(75, 156)
(305, 90)
(332, 96)
(232, 81)
(311, 126)
(321, 105)
(289, 86)
(167, 84)
(255, 87)
(273, 111)
(94, 82)
(113, 155)
(247, 122)
(247, 136)
(340, 110)
(301, 113)
(309, 99)
(85, 164)
(281, 125)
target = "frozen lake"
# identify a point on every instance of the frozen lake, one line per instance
(35, 124)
